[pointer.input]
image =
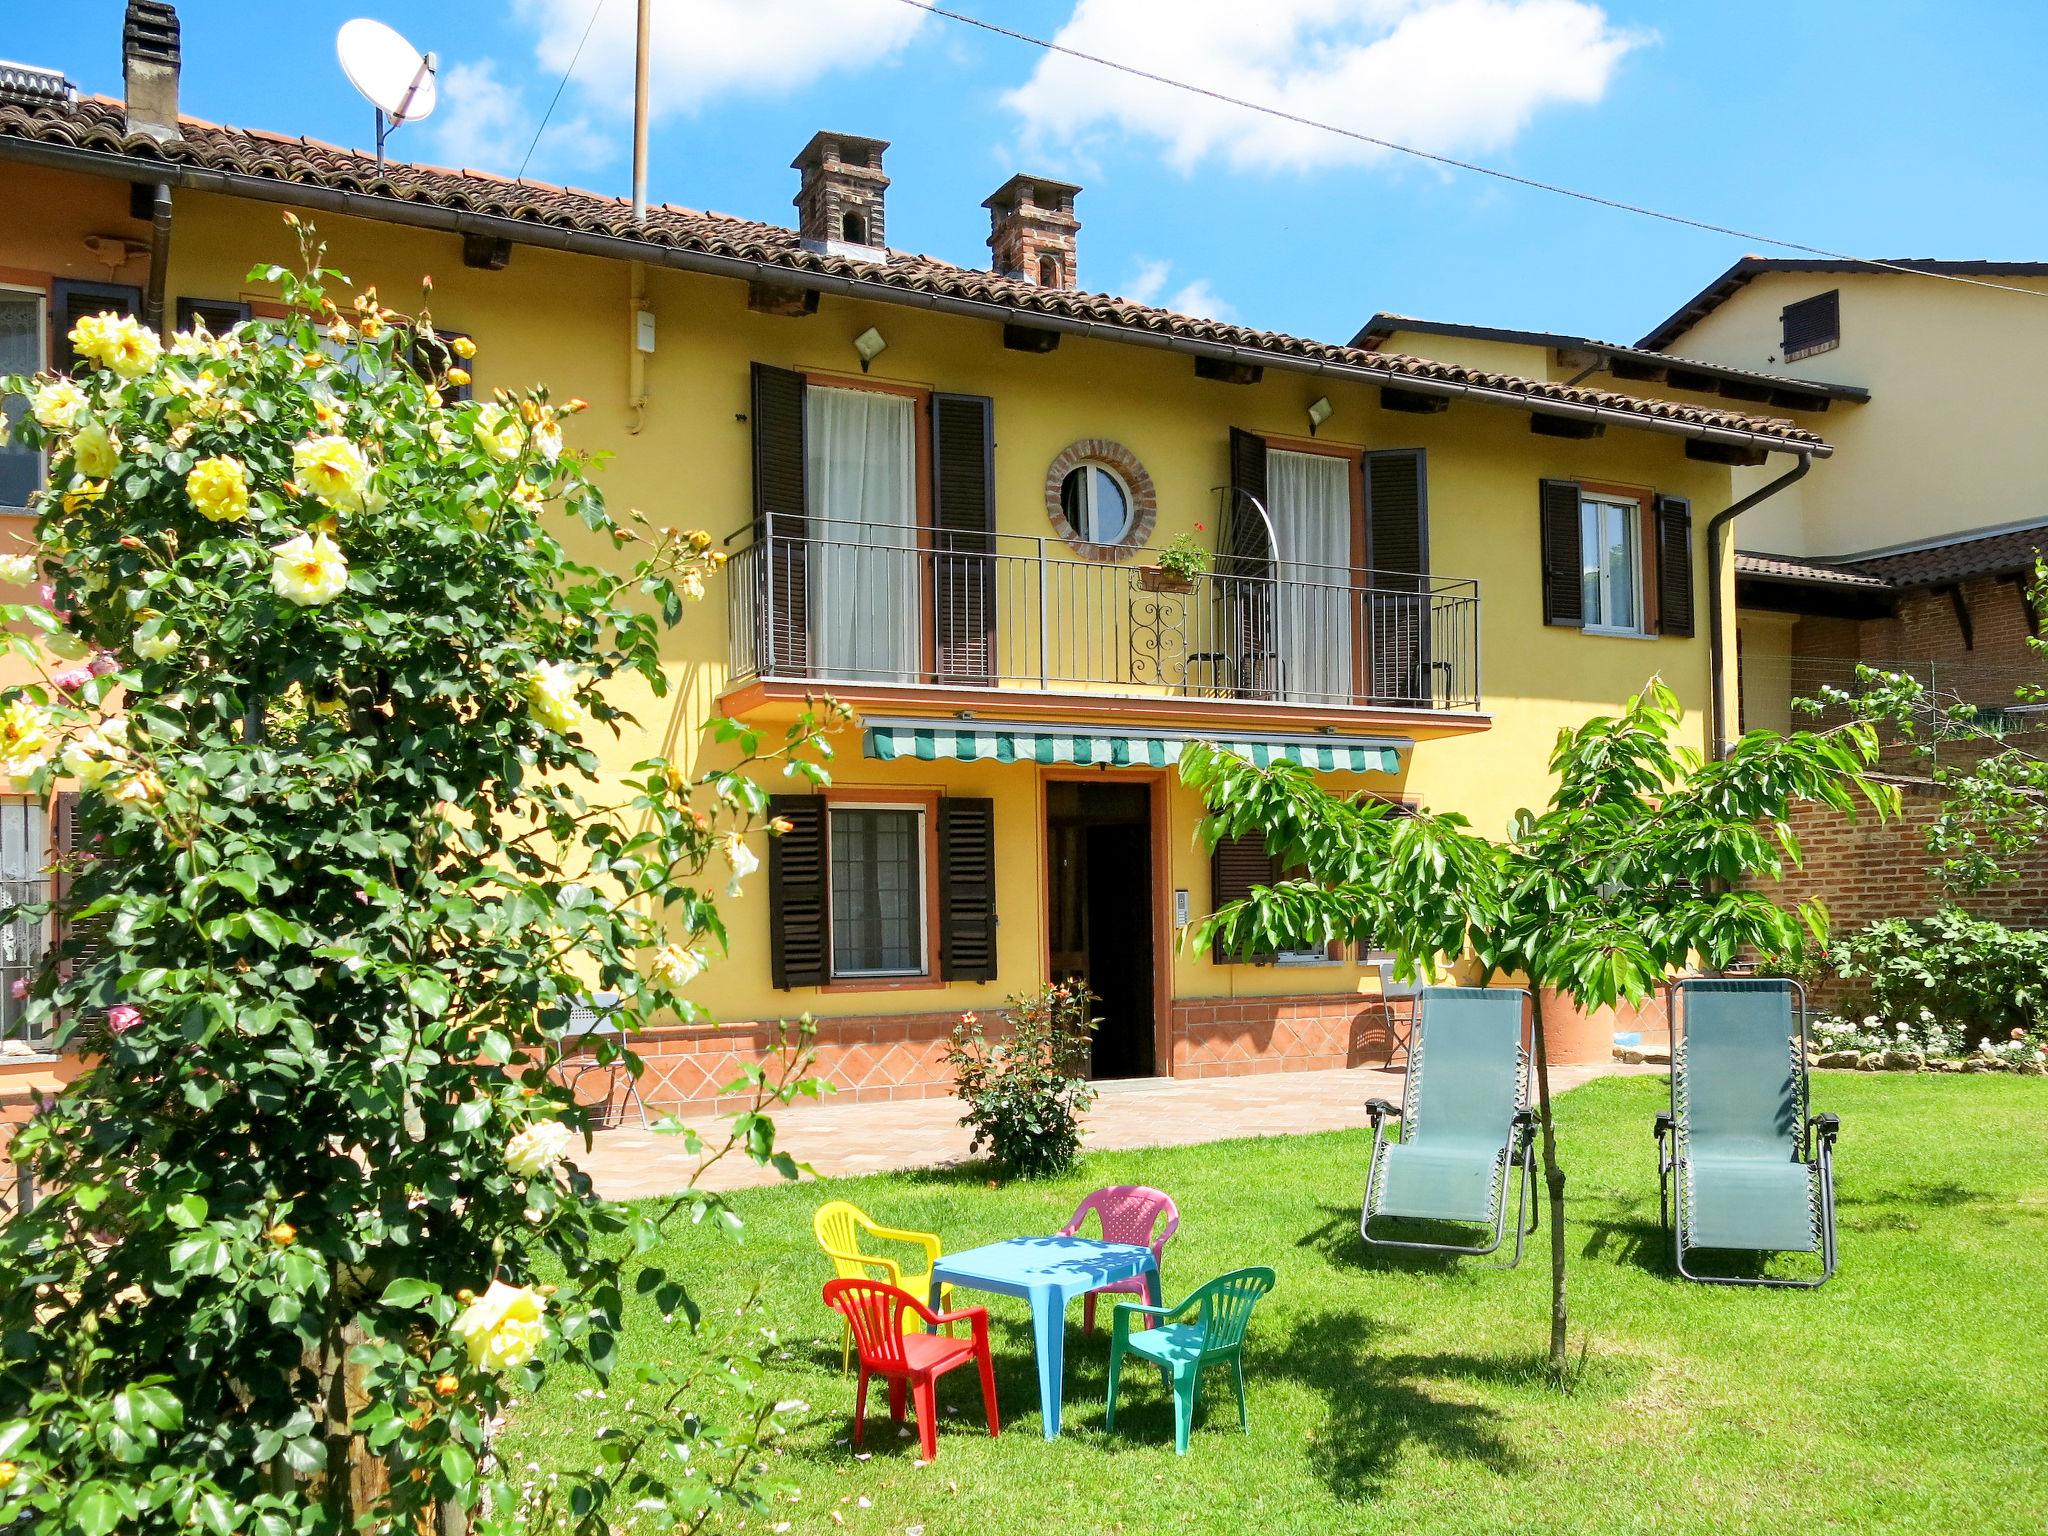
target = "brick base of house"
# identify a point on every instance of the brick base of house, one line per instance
(1235, 1036)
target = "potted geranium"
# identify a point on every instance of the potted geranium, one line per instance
(1179, 563)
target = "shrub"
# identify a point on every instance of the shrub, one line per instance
(1974, 979)
(1025, 1092)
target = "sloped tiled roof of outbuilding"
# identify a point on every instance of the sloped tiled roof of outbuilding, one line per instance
(233, 158)
(1794, 568)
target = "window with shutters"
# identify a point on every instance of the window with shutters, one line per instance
(1611, 563)
(1811, 325)
(24, 879)
(21, 351)
(219, 316)
(71, 302)
(879, 891)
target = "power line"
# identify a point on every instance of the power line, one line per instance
(560, 87)
(1049, 46)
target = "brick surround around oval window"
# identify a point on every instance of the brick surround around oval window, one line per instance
(1144, 499)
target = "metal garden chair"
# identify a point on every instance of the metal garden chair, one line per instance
(1466, 1125)
(605, 1088)
(1182, 1351)
(1741, 1164)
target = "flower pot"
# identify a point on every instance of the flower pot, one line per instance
(1157, 578)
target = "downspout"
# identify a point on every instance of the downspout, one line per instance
(1716, 562)
(640, 320)
(153, 314)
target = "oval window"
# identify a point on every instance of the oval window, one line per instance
(1097, 503)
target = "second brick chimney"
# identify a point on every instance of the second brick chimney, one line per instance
(839, 199)
(149, 65)
(1032, 229)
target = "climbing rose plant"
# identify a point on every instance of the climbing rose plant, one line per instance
(329, 684)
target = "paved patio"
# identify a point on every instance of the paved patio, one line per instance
(839, 1139)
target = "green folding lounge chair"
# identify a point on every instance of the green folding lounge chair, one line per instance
(1182, 1351)
(1465, 1124)
(1741, 1165)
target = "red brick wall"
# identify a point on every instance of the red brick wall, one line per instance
(1231, 1036)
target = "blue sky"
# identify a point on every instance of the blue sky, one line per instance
(1874, 126)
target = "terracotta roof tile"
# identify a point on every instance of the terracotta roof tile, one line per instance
(98, 124)
(1806, 572)
(1990, 554)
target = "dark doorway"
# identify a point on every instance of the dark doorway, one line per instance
(1098, 839)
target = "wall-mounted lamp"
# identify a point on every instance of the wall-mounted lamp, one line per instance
(869, 345)
(1318, 413)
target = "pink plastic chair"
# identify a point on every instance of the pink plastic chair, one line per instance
(1128, 1213)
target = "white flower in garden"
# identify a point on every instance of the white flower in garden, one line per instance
(676, 966)
(547, 438)
(17, 570)
(332, 470)
(93, 754)
(551, 697)
(155, 645)
(499, 432)
(537, 1148)
(142, 787)
(27, 737)
(308, 570)
(740, 857)
(503, 1328)
(94, 451)
(58, 405)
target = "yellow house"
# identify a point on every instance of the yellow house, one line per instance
(946, 494)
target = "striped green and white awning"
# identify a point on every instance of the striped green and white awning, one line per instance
(1089, 746)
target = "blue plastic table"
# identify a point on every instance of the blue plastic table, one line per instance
(1048, 1272)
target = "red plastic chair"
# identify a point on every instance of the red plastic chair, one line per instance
(1129, 1213)
(874, 1314)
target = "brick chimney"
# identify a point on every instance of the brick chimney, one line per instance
(149, 64)
(839, 199)
(1032, 229)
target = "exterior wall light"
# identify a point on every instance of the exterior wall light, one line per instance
(869, 345)
(1318, 413)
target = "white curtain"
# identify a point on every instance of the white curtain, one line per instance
(1309, 498)
(861, 492)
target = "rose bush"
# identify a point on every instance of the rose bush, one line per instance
(344, 862)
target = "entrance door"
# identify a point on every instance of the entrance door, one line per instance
(1098, 839)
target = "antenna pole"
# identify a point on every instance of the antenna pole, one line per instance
(643, 39)
(380, 138)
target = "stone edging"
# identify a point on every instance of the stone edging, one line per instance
(1144, 498)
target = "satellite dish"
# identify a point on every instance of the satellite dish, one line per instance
(396, 77)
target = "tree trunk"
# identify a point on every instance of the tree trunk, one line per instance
(1553, 1182)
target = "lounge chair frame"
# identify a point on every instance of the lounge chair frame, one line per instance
(1517, 1156)
(1817, 1135)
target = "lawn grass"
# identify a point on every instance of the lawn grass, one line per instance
(1408, 1395)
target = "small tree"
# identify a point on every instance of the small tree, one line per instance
(1635, 869)
(345, 864)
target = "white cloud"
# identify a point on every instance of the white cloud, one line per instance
(1149, 283)
(704, 49)
(483, 122)
(1448, 75)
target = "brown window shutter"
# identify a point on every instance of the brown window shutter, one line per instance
(1674, 566)
(1397, 550)
(798, 943)
(71, 302)
(1246, 570)
(1811, 325)
(1235, 866)
(1564, 592)
(967, 889)
(963, 538)
(781, 519)
(220, 315)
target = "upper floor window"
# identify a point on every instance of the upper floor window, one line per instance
(1812, 325)
(21, 351)
(1611, 563)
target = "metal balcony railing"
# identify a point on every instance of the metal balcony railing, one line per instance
(888, 605)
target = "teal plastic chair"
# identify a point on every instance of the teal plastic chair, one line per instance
(1465, 1120)
(1741, 1165)
(1182, 1351)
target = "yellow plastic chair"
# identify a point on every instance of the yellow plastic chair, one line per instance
(840, 1225)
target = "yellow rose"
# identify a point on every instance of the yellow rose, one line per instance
(219, 488)
(551, 697)
(156, 644)
(333, 470)
(308, 570)
(503, 1328)
(142, 787)
(675, 967)
(740, 858)
(17, 570)
(117, 342)
(93, 754)
(547, 438)
(537, 1148)
(27, 738)
(58, 405)
(499, 432)
(462, 347)
(95, 453)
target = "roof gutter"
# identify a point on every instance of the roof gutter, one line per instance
(1717, 561)
(392, 210)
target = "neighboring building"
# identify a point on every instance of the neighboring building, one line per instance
(944, 490)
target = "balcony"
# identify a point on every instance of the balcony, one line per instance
(875, 606)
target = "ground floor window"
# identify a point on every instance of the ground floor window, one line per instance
(24, 879)
(876, 854)
(21, 351)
